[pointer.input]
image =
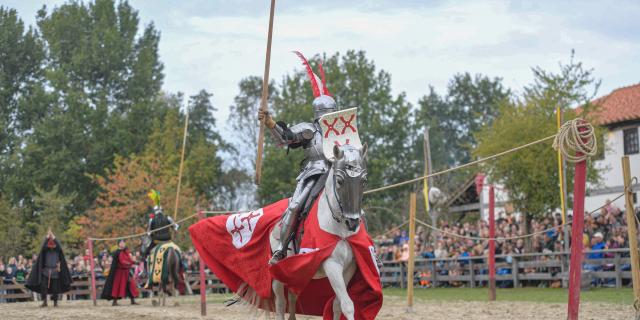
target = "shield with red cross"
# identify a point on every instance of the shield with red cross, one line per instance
(339, 128)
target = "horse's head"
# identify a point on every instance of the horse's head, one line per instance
(145, 242)
(348, 181)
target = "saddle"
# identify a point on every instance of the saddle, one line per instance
(156, 263)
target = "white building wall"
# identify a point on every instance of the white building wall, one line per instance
(501, 196)
(611, 184)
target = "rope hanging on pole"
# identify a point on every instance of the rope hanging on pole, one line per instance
(576, 136)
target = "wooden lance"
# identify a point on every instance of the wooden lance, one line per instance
(265, 95)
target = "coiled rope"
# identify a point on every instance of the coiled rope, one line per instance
(576, 140)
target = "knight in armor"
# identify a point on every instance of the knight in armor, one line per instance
(158, 220)
(50, 274)
(307, 136)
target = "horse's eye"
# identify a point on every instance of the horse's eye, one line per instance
(339, 181)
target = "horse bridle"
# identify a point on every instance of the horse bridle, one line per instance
(340, 218)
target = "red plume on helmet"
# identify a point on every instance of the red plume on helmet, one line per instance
(318, 84)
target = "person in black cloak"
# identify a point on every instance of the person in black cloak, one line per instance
(120, 283)
(50, 274)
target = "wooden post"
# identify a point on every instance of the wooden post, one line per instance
(492, 245)
(514, 272)
(265, 94)
(575, 265)
(93, 272)
(561, 171)
(616, 262)
(412, 236)
(472, 276)
(633, 232)
(184, 145)
(203, 281)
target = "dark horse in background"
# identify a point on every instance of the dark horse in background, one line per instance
(175, 279)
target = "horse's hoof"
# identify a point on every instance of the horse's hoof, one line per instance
(154, 303)
(176, 304)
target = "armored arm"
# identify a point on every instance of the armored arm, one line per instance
(287, 136)
(175, 225)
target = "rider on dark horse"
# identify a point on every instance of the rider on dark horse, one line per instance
(309, 137)
(158, 220)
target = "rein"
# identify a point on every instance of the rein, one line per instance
(335, 195)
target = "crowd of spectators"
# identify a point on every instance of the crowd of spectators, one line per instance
(605, 229)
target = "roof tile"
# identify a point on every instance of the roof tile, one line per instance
(620, 105)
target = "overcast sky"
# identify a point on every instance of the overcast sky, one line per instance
(213, 44)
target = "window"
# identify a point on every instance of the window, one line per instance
(631, 141)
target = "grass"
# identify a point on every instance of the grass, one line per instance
(606, 295)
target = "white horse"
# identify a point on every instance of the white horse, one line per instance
(339, 213)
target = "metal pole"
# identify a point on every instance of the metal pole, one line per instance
(203, 280)
(265, 94)
(492, 245)
(575, 266)
(412, 236)
(93, 272)
(633, 233)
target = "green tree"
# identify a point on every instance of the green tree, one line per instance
(52, 212)
(22, 95)
(531, 175)
(104, 78)
(12, 229)
(471, 103)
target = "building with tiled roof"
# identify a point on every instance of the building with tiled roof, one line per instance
(619, 113)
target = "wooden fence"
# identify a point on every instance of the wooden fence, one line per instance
(81, 288)
(530, 269)
(512, 270)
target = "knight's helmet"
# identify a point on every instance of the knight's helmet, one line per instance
(323, 102)
(154, 195)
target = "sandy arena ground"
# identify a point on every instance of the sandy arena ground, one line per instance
(394, 308)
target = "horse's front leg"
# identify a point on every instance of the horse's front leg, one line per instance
(281, 304)
(292, 305)
(335, 271)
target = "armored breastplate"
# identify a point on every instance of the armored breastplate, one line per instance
(313, 150)
(314, 161)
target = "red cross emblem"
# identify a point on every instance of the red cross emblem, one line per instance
(331, 127)
(248, 219)
(347, 124)
(237, 228)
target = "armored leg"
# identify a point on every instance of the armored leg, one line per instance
(289, 218)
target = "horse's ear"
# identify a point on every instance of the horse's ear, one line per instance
(337, 153)
(363, 151)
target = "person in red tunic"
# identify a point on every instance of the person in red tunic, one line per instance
(120, 283)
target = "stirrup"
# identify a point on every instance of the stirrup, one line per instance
(277, 256)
